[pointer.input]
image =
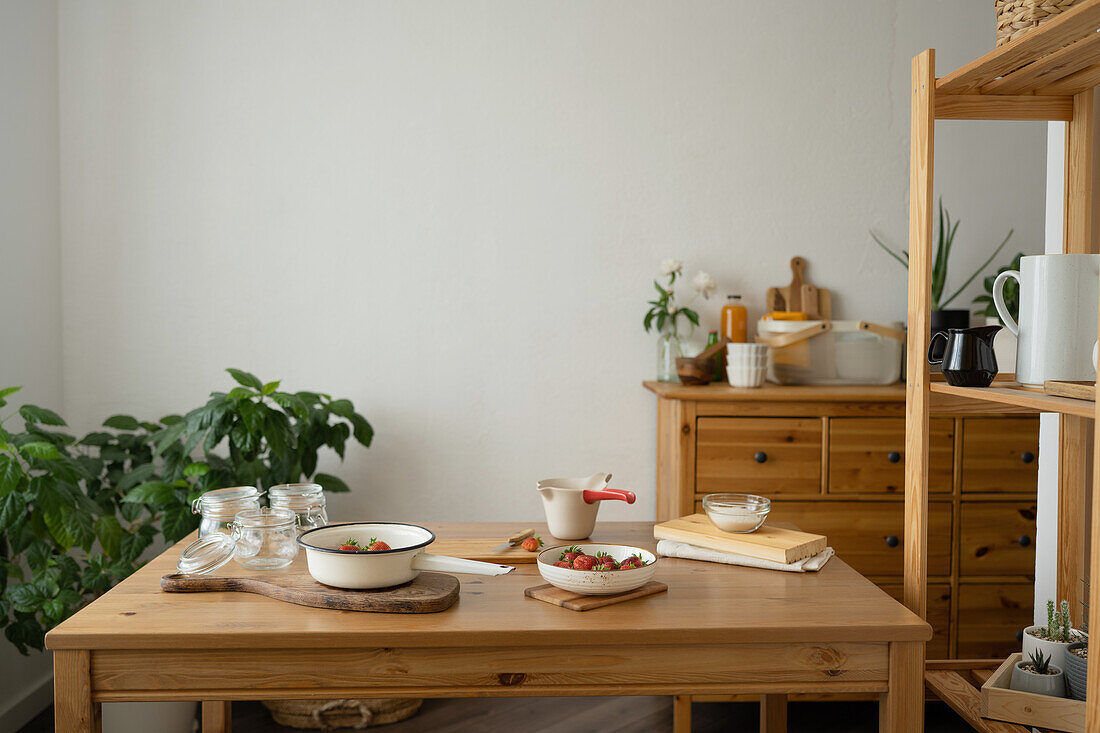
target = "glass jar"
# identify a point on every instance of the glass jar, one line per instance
(266, 539)
(220, 506)
(305, 500)
(668, 351)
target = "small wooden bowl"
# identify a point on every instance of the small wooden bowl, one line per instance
(692, 372)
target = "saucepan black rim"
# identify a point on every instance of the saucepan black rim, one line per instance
(425, 543)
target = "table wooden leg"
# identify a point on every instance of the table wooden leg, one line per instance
(901, 708)
(217, 716)
(681, 714)
(773, 714)
(73, 708)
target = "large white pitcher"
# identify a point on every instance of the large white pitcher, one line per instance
(1057, 328)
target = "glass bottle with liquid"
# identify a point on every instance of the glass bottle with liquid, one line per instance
(735, 320)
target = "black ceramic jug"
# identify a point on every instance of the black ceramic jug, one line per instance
(968, 358)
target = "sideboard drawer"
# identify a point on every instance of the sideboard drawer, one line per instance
(758, 455)
(1000, 454)
(867, 454)
(997, 538)
(990, 617)
(868, 535)
(939, 616)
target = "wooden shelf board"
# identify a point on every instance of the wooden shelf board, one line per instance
(1071, 27)
(1016, 395)
(954, 688)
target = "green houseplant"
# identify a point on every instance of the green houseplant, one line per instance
(76, 515)
(664, 315)
(942, 317)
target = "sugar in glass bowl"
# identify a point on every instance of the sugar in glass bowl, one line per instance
(740, 513)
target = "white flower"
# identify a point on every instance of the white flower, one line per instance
(704, 284)
(670, 266)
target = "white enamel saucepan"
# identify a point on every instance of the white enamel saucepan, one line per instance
(383, 568)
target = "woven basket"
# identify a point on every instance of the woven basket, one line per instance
(330, 714)
(1016, 17)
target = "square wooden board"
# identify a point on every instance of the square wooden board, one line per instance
(577, 602)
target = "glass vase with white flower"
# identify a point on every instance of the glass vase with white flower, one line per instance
(664, 315)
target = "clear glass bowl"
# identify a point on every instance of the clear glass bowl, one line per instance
(739, 513)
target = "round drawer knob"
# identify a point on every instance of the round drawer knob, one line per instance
(892, 541)
(893, 456)
(1027, 456)
(760, 456)
(1024, 540)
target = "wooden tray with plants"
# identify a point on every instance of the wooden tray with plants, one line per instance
(1001, 702)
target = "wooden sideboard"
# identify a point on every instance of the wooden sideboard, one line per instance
(832, 460)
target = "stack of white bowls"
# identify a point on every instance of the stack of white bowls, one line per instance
(746, 364)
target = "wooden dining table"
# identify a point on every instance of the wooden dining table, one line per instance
(718, 630)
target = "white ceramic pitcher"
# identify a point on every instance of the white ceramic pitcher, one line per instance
(1057, 328)
(571, 504)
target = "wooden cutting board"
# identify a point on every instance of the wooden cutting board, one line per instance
(427, 593)
(815, 302)
(481, 549)
(767, 543)
(1076, 390)
(577, 602)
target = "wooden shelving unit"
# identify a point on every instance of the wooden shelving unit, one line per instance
(1046, 74)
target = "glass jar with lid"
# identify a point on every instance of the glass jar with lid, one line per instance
(266, 539)
(220, 506)
(305, 500)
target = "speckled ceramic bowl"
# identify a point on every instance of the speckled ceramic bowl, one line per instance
(597, 582)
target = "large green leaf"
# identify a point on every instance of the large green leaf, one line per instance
(35, 414)
(12, 508)
(109, 533)
(245, 378)
(25, 597)
(177, 521)
(270, 387)
(151, 492)
(362, 430)
(7, 391)
(331, 483)
(197, 469)
(238, 393)
(343, 408)
(41, 449)
(121, 422)
(10, 475)
(136, 476)
(97, 439)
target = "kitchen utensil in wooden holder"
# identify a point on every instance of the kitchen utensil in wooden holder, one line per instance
(767, 543)
(800, 296)
(700, 369)
(427, 593)
(1017, 17)
(577, 602)
(1000, 702)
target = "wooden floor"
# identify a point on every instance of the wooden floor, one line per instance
(605, 714)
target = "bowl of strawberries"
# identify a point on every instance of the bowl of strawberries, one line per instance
(597, 569)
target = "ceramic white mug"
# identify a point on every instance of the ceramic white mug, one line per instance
(1057, 328)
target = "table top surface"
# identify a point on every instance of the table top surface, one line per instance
(706, 603)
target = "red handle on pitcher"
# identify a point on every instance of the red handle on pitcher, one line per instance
(594, 496)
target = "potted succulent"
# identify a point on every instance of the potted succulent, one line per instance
(664, 315)
(1076, 669)
(1053, 638)
(1004, 345)
(1037, 675)
(944, 318)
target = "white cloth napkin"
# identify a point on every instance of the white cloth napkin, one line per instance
(669, 548)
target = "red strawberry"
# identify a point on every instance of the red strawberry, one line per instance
(627, 566)
(584, 562)
(572, 553)
(349, 548)
(531, 544)
(562, 564)
(377, 544)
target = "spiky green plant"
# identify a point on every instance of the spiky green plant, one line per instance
(1040, 661)
(945, 238)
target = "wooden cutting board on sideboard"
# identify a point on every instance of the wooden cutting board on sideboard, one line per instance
(767, 543)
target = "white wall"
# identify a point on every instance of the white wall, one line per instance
(30, 294)
(451, 212)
